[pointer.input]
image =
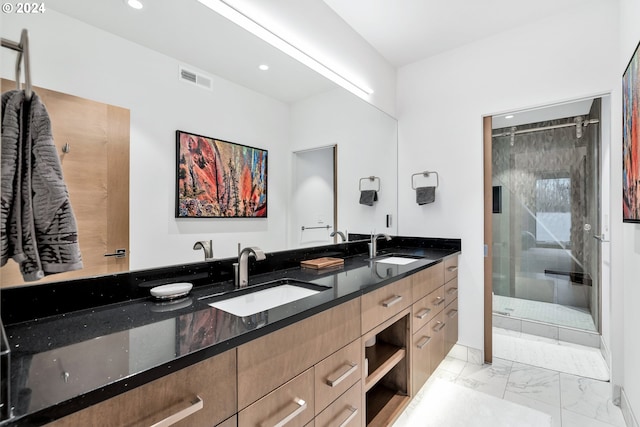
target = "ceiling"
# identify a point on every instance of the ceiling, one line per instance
(406, 31)
(402, 31)
(198, 37)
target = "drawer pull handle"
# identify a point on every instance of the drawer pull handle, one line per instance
(424, 341)
(452, 313)
(423, 313)
(300, 404)
(452, 268)
(352, 415)
(332, 381)
(439, 326)
(196, 405)
(438, 301)
(392, 301)
(452, 291)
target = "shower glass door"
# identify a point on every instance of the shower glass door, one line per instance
(546, 212)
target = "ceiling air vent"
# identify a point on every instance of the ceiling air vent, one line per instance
(195, 78)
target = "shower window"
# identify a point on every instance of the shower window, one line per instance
(553, 211)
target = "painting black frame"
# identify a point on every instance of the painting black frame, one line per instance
(221, 166)
(630, 120)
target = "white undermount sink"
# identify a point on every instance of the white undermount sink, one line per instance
(255, 302)
(396, 260)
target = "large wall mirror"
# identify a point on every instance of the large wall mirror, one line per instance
(112, 55)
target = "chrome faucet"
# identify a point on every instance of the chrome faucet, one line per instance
(207, 247)
(341, 234)
(242, 273)
(373, 246)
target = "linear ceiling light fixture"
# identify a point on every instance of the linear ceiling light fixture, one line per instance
(239, 18)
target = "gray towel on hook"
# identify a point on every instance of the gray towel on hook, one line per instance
(39, 229)
(367, 197)
(425, 195)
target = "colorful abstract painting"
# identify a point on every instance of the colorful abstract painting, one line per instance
(630, 139)
(219, 179)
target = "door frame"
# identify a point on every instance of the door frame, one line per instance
(488, 238)
(604, 219)
(334, 150)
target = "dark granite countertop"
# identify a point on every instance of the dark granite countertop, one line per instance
(64, 359)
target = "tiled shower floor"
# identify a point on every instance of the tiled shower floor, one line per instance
(556, 314)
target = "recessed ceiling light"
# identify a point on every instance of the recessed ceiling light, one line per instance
(136, 4)
(263, 67)
(510, 116)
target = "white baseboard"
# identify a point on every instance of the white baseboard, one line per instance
(627, 411)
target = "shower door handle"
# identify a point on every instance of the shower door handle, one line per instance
(600, 238)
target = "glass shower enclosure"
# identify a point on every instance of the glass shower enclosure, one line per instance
(546, 193)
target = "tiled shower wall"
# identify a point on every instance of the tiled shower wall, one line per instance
(519, 260)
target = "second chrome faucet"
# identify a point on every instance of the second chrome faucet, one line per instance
(242, 268)
(373, 246)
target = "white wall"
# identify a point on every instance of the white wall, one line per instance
(366, 139)
(628, 300)
(441, 102)
(71, 57)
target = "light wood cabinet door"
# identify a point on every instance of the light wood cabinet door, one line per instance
(427, 308)
(337, 373)
(384, 303)
(346, 411)
(450, 268)
(421, 360)
(266, 363)
(201, 395)
(451, 330)
(291, 404)
(230, 422)
(426, 281)
(436, 345)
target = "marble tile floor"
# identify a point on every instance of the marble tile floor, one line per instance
(509, 393)
(550, 354)
(544, 312)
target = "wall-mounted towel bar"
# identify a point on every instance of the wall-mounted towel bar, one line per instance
(374, 179)
(315, 228)
(425, 174)
(23, 56)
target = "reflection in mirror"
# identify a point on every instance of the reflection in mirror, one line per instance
(96, 51)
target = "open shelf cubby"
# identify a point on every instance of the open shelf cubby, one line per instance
(387, 379)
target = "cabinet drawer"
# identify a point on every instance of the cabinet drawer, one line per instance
(384, 303)
(421, 364)
(204, 394)
(451, 330)
(436, 345)
(345, 411)
(269, 361)
(337, 373)
(451, 290)
(450, 268)
(292, 403)
(426, 281)
(426, 309)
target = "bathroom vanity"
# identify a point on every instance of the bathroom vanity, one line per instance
(352, 353)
